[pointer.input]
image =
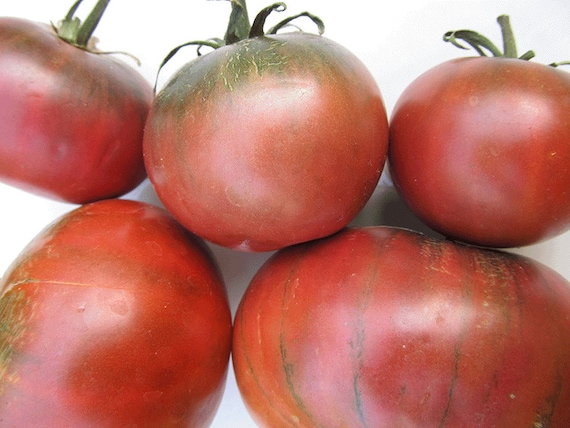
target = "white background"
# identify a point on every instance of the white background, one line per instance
(397, 41)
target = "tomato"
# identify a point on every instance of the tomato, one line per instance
(384, 327)
(113, 316)
(71, 120)
(266, 142)
(480, 150)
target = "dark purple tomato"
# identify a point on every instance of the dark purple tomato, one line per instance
(267, 142)
(480, 150)
(71, 120)
(384, 327)
(113, 316)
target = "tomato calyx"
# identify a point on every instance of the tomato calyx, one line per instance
(257, 28)
(239, 28)
(79, 33)
(481, 43)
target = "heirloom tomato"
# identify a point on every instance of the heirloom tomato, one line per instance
(480, 147)
(384, 327)
(267, 141)
(113, 316)
(71, 119)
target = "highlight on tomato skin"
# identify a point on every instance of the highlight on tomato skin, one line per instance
(114, 315)
(71, 117)
(385, 327)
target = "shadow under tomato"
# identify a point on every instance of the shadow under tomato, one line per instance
(386, 208)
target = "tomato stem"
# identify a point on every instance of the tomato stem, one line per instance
(239, 29)
(78, 33)
(257, 28)
(88, 27)
(481, 43)
(509, 44)
(558, 63)
(238, 26)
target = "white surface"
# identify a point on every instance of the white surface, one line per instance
(396, 40)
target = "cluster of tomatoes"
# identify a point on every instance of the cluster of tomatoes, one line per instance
(275, 141)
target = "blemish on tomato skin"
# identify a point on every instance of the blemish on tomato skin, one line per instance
(152, 395)
(118, 306)
(425, 398)
(12, 329)
(154, 247)
(232, 196)
(258, 323)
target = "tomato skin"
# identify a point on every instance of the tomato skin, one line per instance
(383, 327)
(480, 148)
(71, 121)
(267, 142)
(113, 316)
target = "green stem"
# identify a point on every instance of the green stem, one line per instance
(509, 44)
(559, 63)
(316, 20)
(238, 25)
(259, 22)
(88, 27)
(72, 10)
(73, 31)
(481, 44)
(477, 41)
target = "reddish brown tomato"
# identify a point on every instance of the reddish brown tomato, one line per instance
(382, 327)
(71, 121)
(114, 316)
(267, 142)
(480, 150)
